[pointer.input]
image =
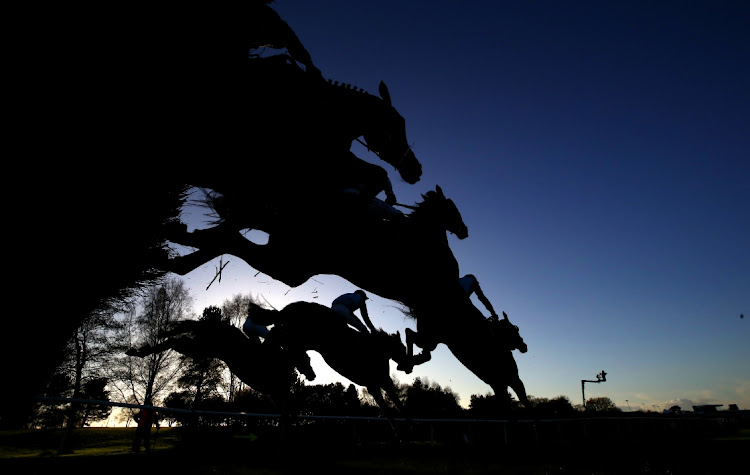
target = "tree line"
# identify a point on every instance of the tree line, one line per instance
(96, 367)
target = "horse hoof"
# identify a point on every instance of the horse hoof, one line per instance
(309, 375)
(405, 368)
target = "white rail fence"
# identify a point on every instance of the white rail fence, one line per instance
(504, 431)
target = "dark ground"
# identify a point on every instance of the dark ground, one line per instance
(222, 452)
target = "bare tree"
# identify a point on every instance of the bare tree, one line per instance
(143, 380)
(80, 375)
(235, 311)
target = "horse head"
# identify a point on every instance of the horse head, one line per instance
(510, 335)
(442, 211)
(388, 140)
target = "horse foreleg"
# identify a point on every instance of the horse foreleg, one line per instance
(411, 360)
(520, 390)
(146, 350)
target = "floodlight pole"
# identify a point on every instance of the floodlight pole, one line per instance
(600, 378)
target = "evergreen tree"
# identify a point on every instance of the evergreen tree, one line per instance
(601, 404)
(430, 400)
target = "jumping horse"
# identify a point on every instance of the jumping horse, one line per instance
(298, 132)
(407, 260)
(361, 357)
(263, 366)
(403, 259)
(485, 347)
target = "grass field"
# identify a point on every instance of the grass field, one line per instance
(223, 451)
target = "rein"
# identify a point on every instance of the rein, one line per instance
(398, 163)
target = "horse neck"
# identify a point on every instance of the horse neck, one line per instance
(423, 219)
(355, 111)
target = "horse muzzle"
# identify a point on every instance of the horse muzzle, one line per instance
(462, 232)
(523, 348)
(409, 168)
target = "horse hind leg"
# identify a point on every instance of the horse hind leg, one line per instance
(377, 394)
(390, 390)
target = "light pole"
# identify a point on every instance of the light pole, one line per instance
(600, 378)
(628, 403)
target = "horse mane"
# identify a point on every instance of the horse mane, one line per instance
(424, 207)
(347, 87)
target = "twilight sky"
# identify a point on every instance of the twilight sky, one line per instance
(598, 152)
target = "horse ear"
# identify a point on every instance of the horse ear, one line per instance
(384, 94)
(505, 316)
(439, 190)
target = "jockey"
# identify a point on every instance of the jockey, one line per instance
(250, 328)
(361, 182)
(268, 29)
(470, 285)
(300, 359)
(346, 304)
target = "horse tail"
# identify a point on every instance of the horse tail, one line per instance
(409, 312)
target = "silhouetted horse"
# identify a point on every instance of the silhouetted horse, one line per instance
(362, 358)
(299, 131)
(313, 116)
(406, 259)
(484, 347)
(265, 367)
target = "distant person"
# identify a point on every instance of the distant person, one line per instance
(145, 419)
(470, 285)
(361, 182)
(346, 304)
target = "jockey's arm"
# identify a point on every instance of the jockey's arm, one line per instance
(482, 298)
(366, 318)
(278, 34)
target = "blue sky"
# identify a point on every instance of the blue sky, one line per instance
(598, 152)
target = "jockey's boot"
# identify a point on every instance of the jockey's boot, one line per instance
(406, 367)
(304, 367)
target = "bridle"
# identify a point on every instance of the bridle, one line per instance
(398, 162)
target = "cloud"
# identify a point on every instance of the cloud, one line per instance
(685, 404)
(743, 389)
